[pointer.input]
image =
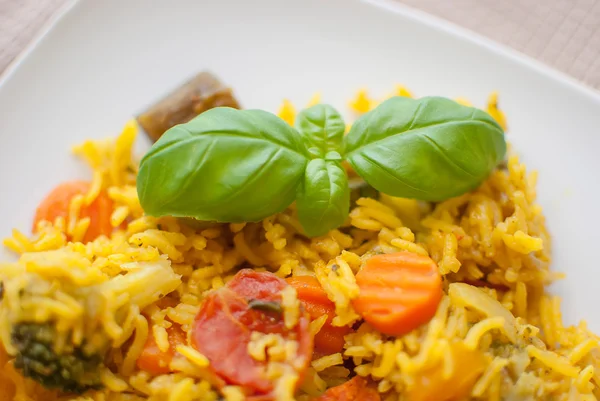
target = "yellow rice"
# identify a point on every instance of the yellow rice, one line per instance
(496, 233)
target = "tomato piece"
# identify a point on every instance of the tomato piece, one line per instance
(56, 204)
(226, 320)
(251, 284)
(398, 292)
(355, 389)
(330, 339)
(155, 361)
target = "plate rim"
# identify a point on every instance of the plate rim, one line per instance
(487, 44)
(393, 6)
(48, 26)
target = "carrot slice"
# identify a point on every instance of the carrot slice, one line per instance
(155, 361)
(398, 292)
(56, 204)
(330, 339)
(356, 389)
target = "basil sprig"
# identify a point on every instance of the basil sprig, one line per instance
(429, 149)
(230, 165)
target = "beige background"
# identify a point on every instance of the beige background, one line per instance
(562, 33)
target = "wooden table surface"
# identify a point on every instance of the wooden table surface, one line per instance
(564, 34)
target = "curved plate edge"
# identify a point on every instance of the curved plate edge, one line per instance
(488, 44)
(37, 39)
(393, 6)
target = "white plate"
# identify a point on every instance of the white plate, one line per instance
(106, 60)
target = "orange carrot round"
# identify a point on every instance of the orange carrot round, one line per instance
(398, 292)
(155, 361)
(56, 204)
(356, 389)
(330, 339)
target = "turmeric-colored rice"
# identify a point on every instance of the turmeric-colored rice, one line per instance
(496, 328)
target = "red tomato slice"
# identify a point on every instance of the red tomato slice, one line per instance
(224, 325)
(263, 286)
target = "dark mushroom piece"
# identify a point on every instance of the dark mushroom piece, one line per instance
(201, 93)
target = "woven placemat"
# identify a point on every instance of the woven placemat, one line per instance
(564, 34)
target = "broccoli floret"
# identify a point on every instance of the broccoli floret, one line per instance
(66, 351)
(70, 371)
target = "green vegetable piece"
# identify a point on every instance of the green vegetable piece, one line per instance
(72, 370)
(323, 200)
(266, 306)
(225, 165)
(322, 128)
(429, 149)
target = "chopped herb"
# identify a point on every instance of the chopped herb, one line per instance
(266, 306)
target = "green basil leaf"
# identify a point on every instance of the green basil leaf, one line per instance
(322, 127)
(429, 149)
(225, 165)
(323, 200)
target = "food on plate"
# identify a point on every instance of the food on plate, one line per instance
(96, 214)
(62, 344)
(156, 361)
(264, 338)
(429, 149)
(355, 389)
(195, 96)
(329, 339)
(249, 256)
(398, 292)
